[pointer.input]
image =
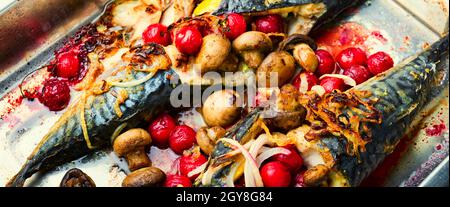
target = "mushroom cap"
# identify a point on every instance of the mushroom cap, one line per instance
(253, 40)
(76, 178)
(290, 42)
(131, 140)
(145, 177)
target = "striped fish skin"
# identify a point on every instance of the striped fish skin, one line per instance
(402, 93)
(65, 141)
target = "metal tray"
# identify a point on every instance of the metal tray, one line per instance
(31, 30)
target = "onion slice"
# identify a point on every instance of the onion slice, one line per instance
(198, 170)
(269, 153)
(303, 83)
(347, 80)
(319, 90)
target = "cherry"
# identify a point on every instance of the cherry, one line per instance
(292, 160)
(271, 23)
(236, 25)
(275, 174)
(326, 63)
(379, 62)
(191, 162)
(177, 181)
(332, 83)
(350, 57)
(311, 79)
(358, 73)
(188, 40)
(161, 129)
(156, 33)
(182, 138)
(55, 94)
(67, 65)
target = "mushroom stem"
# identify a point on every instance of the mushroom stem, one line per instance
(138, 159)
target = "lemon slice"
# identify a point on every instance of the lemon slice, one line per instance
(206, 6)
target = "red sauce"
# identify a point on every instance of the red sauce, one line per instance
(436, 129)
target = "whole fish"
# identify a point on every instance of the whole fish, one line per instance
(90, 123)
(372, 119)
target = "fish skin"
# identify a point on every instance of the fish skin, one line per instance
(402, 93)
(65, 141)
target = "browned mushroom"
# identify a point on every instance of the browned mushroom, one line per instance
(252, 47)
(214, 51)
(145, 177)
(221, 108)
(131, 145)
(207, 137)
(303, 48)
(316, 175)
(280, 63)
(76, 178)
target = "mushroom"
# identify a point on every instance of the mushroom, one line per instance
(76, 178)
(145, 177)
(252, 47)
(281, 63)
(221, 108)
(316, 175)
(207, 137)
(303, 48)
(131, 145)
(214, 51)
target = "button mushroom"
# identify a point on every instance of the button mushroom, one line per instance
(302, 48)
(207, 137)
(252, 47)
(76, 178)
(316, 175)
(214, 51)
(221, 108)
(281, 63)
(145, 177)
(131, 145)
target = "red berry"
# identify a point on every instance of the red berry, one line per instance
(177, 181)
(191, 162)
(55, 94)
(161, 129)
(188, 40)
(182, 138)
(311, 80)
(271, 23)
(156, 33)
(67, 65)
(350, 57)
(292, 160)
(379, 62)
(331, 83)
(326, 63)
(298, 180)
(358, 73)
(275, 174)
(236, 25)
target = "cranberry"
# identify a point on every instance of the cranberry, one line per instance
(188, 40)
(358, 73)
(379, 62)
(298, 180)
(55, 94)
(350, 57)
(271, 23)
(292, 160)
(177, 181)
(311, 79)
(326, 63)
(67, 65)
(156, 33)
(160, 130)
(331, 83)
(182, 138)
(275, 174)
(191, 162)
(236, 25)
